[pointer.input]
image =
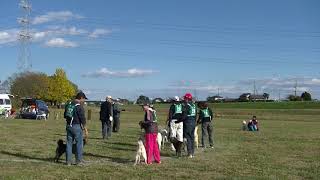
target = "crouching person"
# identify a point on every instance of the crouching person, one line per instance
(253, 124)
(205, 119)
(151, 131)
(76, 121)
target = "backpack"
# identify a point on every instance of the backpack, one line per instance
(154, 115)
(69, 110)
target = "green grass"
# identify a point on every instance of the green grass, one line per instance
(287, 147)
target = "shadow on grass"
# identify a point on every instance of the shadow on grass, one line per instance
(23, 156)
(121, 148)
(112, 159)
(122, 144)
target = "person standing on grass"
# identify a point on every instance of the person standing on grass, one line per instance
(189, 114)
(151, 131)
(116, 116)
(205, 119)
(106, 117)
(176, 125)
(76, 122)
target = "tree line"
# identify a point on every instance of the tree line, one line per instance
(55, 89)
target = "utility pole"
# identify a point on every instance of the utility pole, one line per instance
(295, 88)
(279, 95)
(24, 37)
(218, 91)
(254, 87)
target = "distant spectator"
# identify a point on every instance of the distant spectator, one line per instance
(116, 116)
(106, 117)
(253, 124)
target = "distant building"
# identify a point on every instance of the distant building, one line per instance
(253, 97)
(215, 99)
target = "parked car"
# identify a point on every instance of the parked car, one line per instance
(5, 103)
(30, 108)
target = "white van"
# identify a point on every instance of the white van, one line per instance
(5, 103)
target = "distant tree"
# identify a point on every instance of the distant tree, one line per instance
(157, 100)
(60, 88)
(29, 84)
(143, 99)
(305, 96)
(294, 98)
(266, 96)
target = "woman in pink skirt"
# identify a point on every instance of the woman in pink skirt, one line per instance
(151, 128)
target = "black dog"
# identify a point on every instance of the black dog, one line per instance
(61, 149)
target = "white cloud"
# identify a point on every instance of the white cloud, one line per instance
(99, 32)
(9, 36)
(60, 42)
(55, 16)
(130, 73)
(56, 31)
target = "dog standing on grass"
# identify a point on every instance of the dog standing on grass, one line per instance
(162, 138)
(196, 137)
(61, 148)
(141, 151)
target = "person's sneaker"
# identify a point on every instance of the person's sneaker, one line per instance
(190, 156)
(212, 147)
(68, 164)
(80, 163)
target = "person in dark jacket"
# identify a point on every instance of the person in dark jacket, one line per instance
(106, 117)
(74, 128)
(176, 125)
(253, 124)
(205, 119)
(116, 116)
(151, 131)
(189, 114)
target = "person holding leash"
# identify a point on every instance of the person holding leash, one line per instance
(151, 131)
(189, 114)
(76, 122)
(176, 125)
(106, 117)
(205, 119)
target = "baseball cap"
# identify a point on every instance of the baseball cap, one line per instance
(81, 95)
(176, 98)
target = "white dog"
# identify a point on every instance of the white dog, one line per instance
(196, 137)
(159, 140)
(164, 138)
(141, 151)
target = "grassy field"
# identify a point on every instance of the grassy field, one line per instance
(287, 147)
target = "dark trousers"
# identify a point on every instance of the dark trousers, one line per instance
(207, 129)
(106, 129)
(188, 133)
(116, 124)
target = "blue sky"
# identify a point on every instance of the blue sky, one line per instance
(166, 48)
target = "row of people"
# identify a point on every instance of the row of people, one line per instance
(182, 120)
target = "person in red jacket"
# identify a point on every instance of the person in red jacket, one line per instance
(151, 131)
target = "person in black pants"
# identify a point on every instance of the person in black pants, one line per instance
(106, 117)
(189, 114)
(116, 116)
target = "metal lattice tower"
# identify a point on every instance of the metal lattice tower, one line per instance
(24, 37)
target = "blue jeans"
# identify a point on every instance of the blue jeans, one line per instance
(106, 129)
(74, 133)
